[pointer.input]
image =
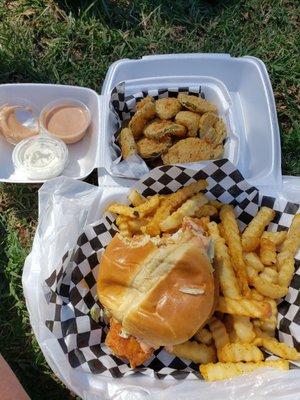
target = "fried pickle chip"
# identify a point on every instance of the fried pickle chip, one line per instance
(196, 104)
(167, 108)
(217, 152)
(152, 148)
(221, 130)
(188, 150)
(207, 121)
(160, 128)
(127, 143)
(140, 104)
(212, 129)
(210, 135)
(140, 118)
(190, 120)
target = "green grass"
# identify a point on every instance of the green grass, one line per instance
(74, 42)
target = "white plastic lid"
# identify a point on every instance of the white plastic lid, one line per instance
(41, 157)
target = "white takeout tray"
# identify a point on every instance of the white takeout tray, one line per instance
(252, 109)
(83, 155)
(93, 386)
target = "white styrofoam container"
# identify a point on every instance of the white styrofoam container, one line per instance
(93, 386)
(252, 102)
(83, 155)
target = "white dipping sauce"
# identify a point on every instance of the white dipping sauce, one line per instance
(41, 157)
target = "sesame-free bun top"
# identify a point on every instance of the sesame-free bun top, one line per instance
(161, 295)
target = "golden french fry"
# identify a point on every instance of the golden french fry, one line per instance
(136, 198)
(187, 209)
(136, 225)
(171, 203)
(289, 248)
(286, 268)
(153, 228)
(219, 333)
(148, 206)
(280, 349)
(268, 289)
(197, 352)
(268, 325)
(217, 204)
(228, 282)
(255, 295)
(221, 230)
(236, 352)
(233, 240)
(269, 275)
(252, 260)
(244, 329)
(221, 371)
(292, 240)
(206, 211)
(122, 224)
(275, 237)
(127, 143)
(203, 222)
(122, 209)
(203, 335)
(228, 321)
(179, 197)
(267, 251)
(244, 306)
(251, 235)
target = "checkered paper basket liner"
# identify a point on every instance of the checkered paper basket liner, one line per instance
(123, 108)
(71, 288)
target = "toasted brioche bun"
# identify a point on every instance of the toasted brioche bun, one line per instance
(146, 289)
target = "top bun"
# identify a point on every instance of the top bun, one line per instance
(161, 295)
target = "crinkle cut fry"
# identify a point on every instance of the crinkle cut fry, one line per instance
(244, 306)
(173, 201)
(221, 371)
(233, 240)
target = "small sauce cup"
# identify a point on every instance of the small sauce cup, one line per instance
(67, 119)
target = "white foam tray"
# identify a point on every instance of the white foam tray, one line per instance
(252, 103)
(83, 156)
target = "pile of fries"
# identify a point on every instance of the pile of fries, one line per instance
(174, 130)
(254, 268)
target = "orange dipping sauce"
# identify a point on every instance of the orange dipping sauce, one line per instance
(66, 120)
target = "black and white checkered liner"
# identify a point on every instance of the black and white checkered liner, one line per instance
(123, 108)
(71, 289)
